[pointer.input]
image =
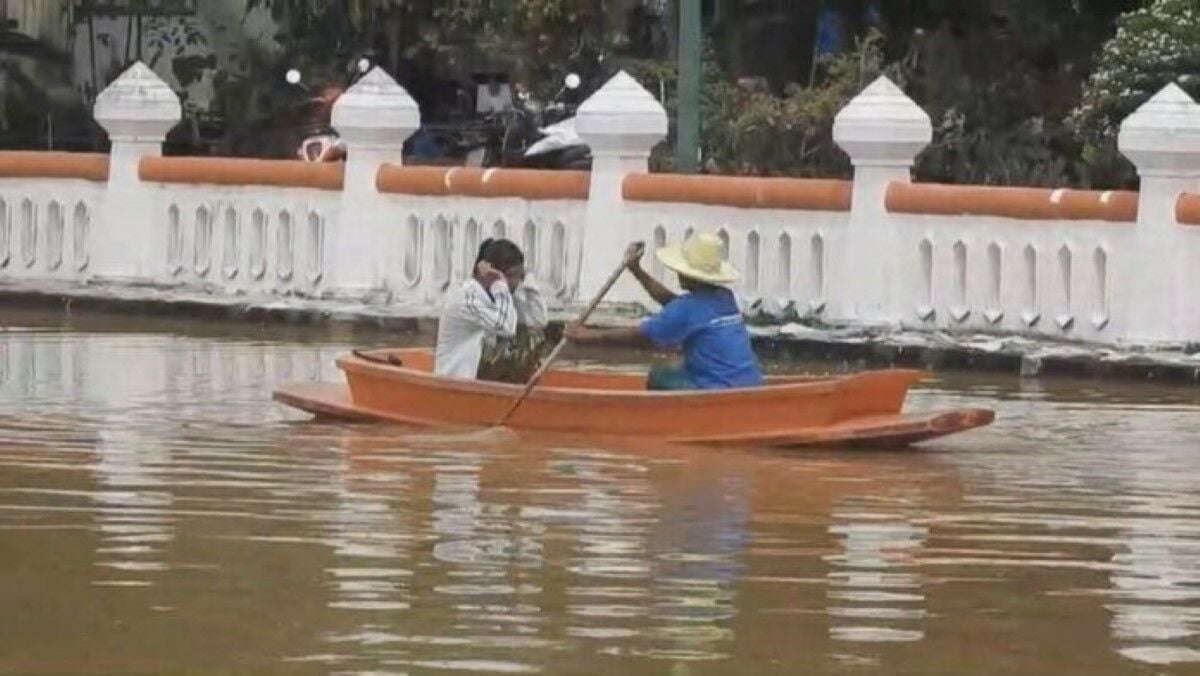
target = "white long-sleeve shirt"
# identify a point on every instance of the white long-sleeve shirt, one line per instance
(470, 315)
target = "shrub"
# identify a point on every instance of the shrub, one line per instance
(1153, 46)
(756, 132)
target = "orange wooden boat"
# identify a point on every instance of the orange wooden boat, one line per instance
(864, 409)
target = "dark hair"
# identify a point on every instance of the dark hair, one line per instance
(501, 253)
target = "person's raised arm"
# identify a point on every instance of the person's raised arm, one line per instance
(494, 310)
(660, 293)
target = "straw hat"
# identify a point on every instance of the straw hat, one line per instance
(701, 257)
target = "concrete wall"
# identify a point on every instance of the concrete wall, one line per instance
(1098, 267)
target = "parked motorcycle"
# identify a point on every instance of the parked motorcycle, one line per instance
(559, 148)
(522, 135)
(535, 137)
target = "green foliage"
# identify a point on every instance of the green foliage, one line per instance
(318, 37)
(793, 134)
(996, 137)
(1154, 46)
(661, 78)
(988, 135)
(1005, 101)
(999, 109)
(262, 114)
(748, 131)
(536, 40)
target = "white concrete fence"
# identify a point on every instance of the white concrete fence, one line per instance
(1102, 267)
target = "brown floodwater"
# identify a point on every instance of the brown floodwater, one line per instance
(159, 514)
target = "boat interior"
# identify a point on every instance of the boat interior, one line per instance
(421, 360)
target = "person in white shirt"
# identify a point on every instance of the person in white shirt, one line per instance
(487, 311)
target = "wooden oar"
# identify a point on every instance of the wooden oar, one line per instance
(550, 359)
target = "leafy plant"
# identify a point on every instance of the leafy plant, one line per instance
(793, 134)
(538, 40)
(997, 138)
(1154, 46)
(263, 115)
(661, 78)
(747, 131)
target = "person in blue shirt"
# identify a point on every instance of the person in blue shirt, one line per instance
(704, 322)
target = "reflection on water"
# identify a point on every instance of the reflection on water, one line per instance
(367, 541)
(158, 513)
(1155, 598)
(133, 509)
(875, 586)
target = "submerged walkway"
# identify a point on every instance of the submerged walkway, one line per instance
(851, 348)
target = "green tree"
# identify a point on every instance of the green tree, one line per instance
(749, 130)
(999, 78)
(1154, 46)
(264, 116)
(756, 132)
(537, 40)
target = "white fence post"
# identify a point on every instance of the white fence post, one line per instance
(374, 118)
(1161, 138)
(621, 123)
(882, 131)
(137, 110)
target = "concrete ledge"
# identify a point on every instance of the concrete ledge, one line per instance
(1016, 355)
(844, 348)
(164, 301)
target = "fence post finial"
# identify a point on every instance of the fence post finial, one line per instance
(883, 131)
(137, 110)
(374, 118)
(621, 123)
(1155, 276)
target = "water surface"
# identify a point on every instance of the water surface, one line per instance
(158, 513)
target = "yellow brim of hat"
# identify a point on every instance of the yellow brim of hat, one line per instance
(673, 258)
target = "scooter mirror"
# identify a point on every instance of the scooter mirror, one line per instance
(364, 65)
(573, 81)
(293, 77)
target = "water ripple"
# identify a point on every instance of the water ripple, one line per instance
(157, 507)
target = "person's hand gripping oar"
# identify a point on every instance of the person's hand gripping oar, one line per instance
(634, 252)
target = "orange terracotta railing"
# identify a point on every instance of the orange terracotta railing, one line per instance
(1016, 203)
(734, 191)
(531, 184)
(1187, 209)
(41, 164)
(239, 171)
(740, 191)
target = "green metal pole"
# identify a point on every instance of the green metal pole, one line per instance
(688, 124)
